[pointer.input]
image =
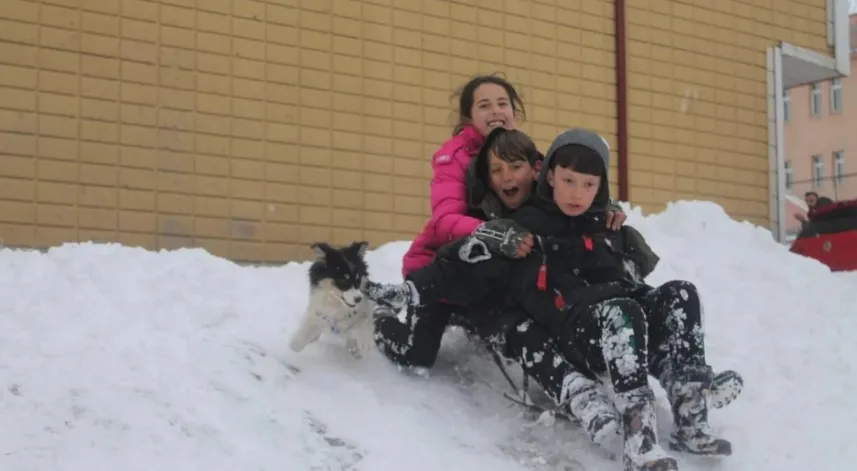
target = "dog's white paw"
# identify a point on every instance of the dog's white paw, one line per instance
(360, 345)
(307, 332)
(353, 347)
(298, 342)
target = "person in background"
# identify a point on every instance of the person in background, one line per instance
(813, 202)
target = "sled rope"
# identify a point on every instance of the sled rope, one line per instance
(523, 393)
(521, 396)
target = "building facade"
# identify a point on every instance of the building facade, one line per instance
(253, 128)
(820, 140)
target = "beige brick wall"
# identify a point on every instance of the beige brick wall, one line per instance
(253, 128)
(698, 106)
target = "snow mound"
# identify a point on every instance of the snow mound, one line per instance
(120, 358)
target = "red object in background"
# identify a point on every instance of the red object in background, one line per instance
(830, 236)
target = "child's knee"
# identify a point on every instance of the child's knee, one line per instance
(682, 289)
(624, 311)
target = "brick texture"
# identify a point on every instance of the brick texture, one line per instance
(253, 128)
(697, 99)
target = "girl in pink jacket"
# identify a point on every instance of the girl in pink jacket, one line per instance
(485, 102)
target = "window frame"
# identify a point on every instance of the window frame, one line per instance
(816, 92)
(839, 167)
(789, 173)
(818, 171)
(836, 96)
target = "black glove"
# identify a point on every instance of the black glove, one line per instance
(502, 236)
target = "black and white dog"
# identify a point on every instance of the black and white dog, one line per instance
(336, 301)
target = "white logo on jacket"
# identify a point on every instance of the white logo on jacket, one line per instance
(443, 159)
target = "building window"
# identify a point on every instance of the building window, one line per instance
(839, 166)
(836, 96)
(789, 175)
(817, 171)
(787, 106)
(815, 99)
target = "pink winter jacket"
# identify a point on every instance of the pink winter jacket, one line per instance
(448, 200)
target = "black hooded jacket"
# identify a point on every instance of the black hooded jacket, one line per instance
(581, 259)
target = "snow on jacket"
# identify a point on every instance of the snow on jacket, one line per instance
(448, 199)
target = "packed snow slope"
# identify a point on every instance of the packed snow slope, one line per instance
(117, 358)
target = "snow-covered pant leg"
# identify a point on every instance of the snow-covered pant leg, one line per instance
(686, 389)
(612, 336)
(677, 357)
(444, 280)
(677, 336)
(641, 451)
(415, 342)
(534, 348)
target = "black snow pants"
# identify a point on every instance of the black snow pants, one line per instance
(676, 332)
(416, 341)
(645, 333)
(477, 292)
(465, 283)
(608, 335)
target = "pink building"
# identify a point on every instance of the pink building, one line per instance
(821, 140)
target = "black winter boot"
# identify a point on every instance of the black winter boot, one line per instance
(393, 296)
(687, 391)
(642, 451)
(589, 403)
(726, 386)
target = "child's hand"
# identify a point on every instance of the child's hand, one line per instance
(526, 246)
(615, 219)
(505, 237)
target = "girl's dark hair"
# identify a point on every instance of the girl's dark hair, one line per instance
(578, 158)
(513, 146)
(465, 98)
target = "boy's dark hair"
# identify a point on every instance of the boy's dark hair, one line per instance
(513, 146)
(578, 158)
(810, 193)
(465, 98)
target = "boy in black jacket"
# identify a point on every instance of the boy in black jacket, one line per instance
(585, 285)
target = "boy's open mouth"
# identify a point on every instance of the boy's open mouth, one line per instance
(511, 192)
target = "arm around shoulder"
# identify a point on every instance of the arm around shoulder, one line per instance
(639, 251)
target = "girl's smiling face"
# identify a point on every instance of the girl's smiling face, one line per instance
(492, 108)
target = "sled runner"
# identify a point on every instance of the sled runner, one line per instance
(522, 396)
(830, 236)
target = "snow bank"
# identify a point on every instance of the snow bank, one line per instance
(120, 358)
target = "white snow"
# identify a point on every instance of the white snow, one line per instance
(117, 358)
